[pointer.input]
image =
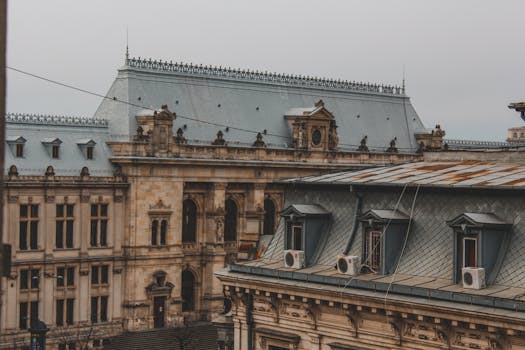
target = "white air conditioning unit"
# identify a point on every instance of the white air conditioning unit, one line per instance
(473, 277)
(348, 264)
(294, 259)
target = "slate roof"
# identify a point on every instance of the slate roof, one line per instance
(73, 132)
(466, 174)
(257, 102)
(306, 209)
(427, 260)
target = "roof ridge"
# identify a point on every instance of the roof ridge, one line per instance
(30, 118)
(264, 76)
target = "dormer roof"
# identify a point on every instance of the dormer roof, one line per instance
(303, 210)
(51, 141)
(86, 142)
(318, 110)
(385, 215)
(15, 139)
(479, 220)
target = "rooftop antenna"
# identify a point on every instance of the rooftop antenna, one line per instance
(127, 46)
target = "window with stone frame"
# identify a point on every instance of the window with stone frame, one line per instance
(269, 217)
(27, 313)
(29, 279)
(65, 277)
(188, 291)
(99, 275)
(294, 235)
(373, 248)
(230, 220)
(65, 309)
(28, 227)
(189, 221)
(65, 219)
(99, 309)
(159, 231)
(99, 225)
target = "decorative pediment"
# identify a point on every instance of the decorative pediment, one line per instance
(304, 210)
(478, 220)
(317, 111)
(385, 215)
(55, 141)
(160, 207)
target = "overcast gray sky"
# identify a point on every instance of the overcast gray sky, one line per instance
(464, 60)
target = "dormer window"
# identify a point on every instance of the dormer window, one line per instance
(478, 243)
(87, 147)
(384, 232)
(304, 227)
(16, 145)
(54, 152)
(52, 146)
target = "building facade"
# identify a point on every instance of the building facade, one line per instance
(118, 222)
(417, 256)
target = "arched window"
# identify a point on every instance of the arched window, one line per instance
(154, 232)
(189, 220)
(230, 221)
(188, 291)
(269, 217)
(163, 232)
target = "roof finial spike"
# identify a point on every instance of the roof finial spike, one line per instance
(403, 85)
(127, 46)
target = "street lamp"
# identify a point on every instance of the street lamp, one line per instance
(37, 329)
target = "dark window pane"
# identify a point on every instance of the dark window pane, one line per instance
(94, 309)
(230, 221)
(69, 234)
(62, 346)
(60, 210)
(154, 230)
(60, 276)
(70, 210)
(34, 211)
(23, 235)
(72, 346)
(470, 253)
(94, 274)
(93, 233)
(70, 276)
(35, 278)
(104, 274)
(189, 220)
(94, 210)
(90, 153)
(269, 217)
(23, 211)
(188, 286)
(69, 311)
(24, 277)
(163, 230)
(297, 237)
(34, 311)
(54, 152)
(103, 210)
(103, 233)
(22, 323)
(60, 312)
(104, 308)
(19, 150)
(59, 237)
(33, 235)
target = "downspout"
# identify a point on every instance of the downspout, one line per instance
(358, 205)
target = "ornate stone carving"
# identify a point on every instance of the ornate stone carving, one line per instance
(160, 206)
(50, 171)
(180, 139)
(259, 141)
(219, 141)
(363, 147)
(219, 230)
(392, 148)
(12, 199)
(13, 171)
(84, 171)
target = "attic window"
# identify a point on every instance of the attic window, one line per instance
(294, 236)
(52, 146)
(87, 147)
(478, 242)
(16, 145)
(19, 150)
(55, 152)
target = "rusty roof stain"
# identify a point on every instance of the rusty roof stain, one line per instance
(444, 174)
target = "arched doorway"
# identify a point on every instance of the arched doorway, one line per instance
(188, 291)
(269, 217)
(230, 221)
(189, 221)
